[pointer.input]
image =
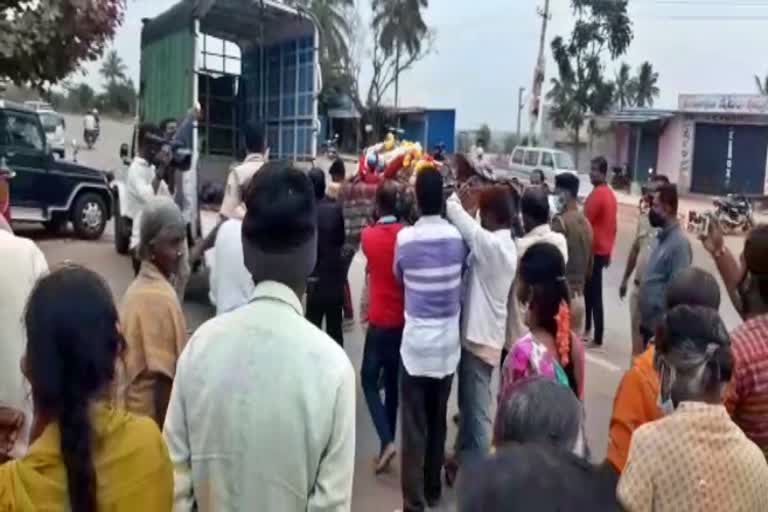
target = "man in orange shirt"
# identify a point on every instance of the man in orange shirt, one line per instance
(600, 208)
(637, 397)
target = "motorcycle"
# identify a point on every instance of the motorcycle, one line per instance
(734, 212)
(90, 137)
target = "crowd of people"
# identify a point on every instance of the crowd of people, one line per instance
(256, 409)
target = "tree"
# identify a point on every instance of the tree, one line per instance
(646, 89)
(119, 97)
(396, 47)
(762, 84)
(113, 69)
(81, 97)
(624, 87)
(511, 141)
(484, 136)
(43, 41)
(581, 89)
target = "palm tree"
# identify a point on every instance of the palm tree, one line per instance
(625, 87)
(762, 85)
(647, 88)
(334, 27)
(400, 26)
(113, 68)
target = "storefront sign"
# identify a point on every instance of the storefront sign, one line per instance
(686, 154)
(724, 103)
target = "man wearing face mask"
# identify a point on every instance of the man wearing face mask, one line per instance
(747, 285)
(695, 458)
(578, 233)
(670, 254)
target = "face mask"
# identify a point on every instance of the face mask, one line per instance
(656, 219)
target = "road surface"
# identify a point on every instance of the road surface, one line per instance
(382, 494)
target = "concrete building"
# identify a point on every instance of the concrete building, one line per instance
(711, 144)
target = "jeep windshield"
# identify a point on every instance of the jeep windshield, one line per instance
(50, 121)
(564, 161)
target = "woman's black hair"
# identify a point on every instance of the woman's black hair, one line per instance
(72, 350)
(542, 269)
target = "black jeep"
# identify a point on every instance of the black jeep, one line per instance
(47, 190)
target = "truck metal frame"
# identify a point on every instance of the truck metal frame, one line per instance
(277, 84)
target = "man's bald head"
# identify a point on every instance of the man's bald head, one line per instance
(693, 287)
(534, 207)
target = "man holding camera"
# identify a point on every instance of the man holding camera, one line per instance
(143, 183)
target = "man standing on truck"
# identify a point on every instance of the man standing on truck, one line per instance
(239, 176)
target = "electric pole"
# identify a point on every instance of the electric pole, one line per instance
(520, 93)
(538, 74)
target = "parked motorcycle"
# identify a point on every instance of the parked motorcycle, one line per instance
(734, 212)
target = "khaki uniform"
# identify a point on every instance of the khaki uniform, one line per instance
(644, 237)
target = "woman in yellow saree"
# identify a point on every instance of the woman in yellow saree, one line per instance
(85, 456)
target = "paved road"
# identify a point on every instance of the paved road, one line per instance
(372, 494)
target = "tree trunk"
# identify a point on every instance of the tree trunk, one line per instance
(397, 85)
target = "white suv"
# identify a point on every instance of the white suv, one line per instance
(551, 162)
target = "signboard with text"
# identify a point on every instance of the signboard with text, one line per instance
(754, 104)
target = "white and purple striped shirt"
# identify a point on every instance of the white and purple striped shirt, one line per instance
(429, 260)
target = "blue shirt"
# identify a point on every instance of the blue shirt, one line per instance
(670, 254)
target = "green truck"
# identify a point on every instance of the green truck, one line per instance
(241, 61)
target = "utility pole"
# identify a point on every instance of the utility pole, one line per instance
(520, 93)
(538, 73)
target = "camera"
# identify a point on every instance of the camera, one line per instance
(169, 153)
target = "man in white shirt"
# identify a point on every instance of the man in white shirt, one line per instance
(230, 282)
(492, 267)
(22, 264)
(142, 184)
(262, 413)
(534, 208)
(232, 206)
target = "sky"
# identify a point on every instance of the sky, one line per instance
(486, 49)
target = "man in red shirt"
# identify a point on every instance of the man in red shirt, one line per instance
(600, 209)
(385, 321)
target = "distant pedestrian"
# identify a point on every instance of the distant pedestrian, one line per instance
(381, 356)
(747, 284)
(85, 454)
(671, 254)
(429, 261)
(492, 268)
(325, 292)
(150, 314)
(578, 233)
(262, 415)
(22, 263)
(338, 173)
(637, 261)
(637, 397)
(695, 458)
(601, 209)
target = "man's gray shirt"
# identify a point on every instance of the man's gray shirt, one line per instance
(670, 254)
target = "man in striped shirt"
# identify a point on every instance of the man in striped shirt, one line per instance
(429, 259)
(747, 396)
